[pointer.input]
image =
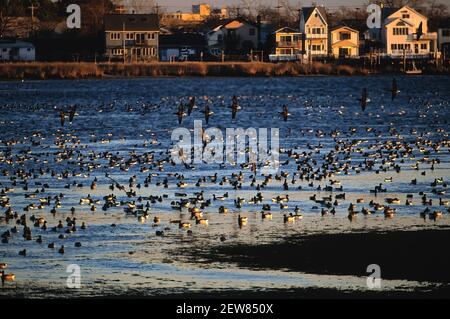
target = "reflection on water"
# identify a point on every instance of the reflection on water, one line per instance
(132, 120)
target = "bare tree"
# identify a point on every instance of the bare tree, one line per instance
(5, 23)
(141, 6)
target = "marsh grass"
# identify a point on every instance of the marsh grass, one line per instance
(60, 70)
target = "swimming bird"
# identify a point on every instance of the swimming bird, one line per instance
(288, 218)
(7, 277)
(266, 215)
(61, 250)
(242, 220)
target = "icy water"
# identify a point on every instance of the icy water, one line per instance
(123, 128)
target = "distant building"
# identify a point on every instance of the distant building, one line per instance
(219, 13)
(405, 32)
(203, 9)
(12, 50)
(314, 27)
(288, 45)
(132, 37)
(344, 42)
(444, 41)
(181, 47)
(233, 36)
(200, 13)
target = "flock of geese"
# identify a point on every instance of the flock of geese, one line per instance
(313, 169)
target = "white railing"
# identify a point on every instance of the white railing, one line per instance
(316, 36)
(285, 57)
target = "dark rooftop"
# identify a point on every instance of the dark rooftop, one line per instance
(132, 22)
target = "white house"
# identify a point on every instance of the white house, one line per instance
(405, 32)
(314, 27)
(444, 41)
(17, 51)
(233, 35)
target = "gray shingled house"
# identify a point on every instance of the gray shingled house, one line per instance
(132, 37)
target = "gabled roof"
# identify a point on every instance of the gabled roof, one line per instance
(132, 22)
(8, 44)
(223, 23)
(287, 30)
(387, 12)
(344, 43)
(398, 20)
(343, 26)
(307, 11)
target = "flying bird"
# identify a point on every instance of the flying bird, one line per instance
(395, 89)
(180, 113)
(285, 113)
(191, 105)
(72, 113)
(208, 113)
(364, 99)
(234, 107)
(62, 117)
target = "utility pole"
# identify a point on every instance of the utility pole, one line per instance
(123, 41)
(278, 7)
(157, 7)
(32, 8)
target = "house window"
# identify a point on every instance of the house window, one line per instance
(400, 31)
(285, 51)
(344, 35)
(251, 31)
(423, 46)
(316, 30)
(405, 15)
(219, 38)
(393, 46)
(446, 33)
(285, 38)
(130, 36)
(114, 36)
(5, 50)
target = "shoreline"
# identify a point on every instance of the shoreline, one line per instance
(417, 255)
(288, 255)
(90, 70)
